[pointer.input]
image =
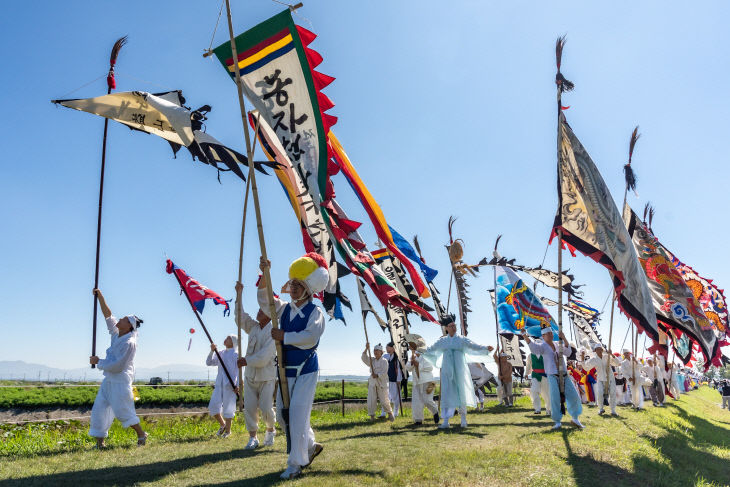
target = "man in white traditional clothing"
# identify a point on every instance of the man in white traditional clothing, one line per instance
(378, 381)
(552, 356)
(539, 384)
(631, 370)
(605, 382)
(222, 405)
(423, 382)
(395, 377)
(259, 378)
(451, 353)
(301, 326)
(115, 398)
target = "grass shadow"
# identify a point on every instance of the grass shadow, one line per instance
(129, 475)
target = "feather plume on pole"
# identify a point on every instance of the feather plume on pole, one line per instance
(629, 174)
(417, 245)
(560, 80)
(110, 81)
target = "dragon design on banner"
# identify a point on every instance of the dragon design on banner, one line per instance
(518, 307)
(674, 303)
(591, 223)
(711, 298)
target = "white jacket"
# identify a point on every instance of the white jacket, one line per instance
(230, 357)
(600, 364)
(118, 365)
(380, 368)
(425, 369)
(260, 351)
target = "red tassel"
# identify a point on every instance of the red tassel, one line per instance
(324, 102)
(110, 81)
(305, 35)
(314, 58)
(330, 190)
(321, 80)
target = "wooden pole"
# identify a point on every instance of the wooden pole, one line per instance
(496, 320)
(259, 226)
(110, 80)
(239, 304)
(342, 398)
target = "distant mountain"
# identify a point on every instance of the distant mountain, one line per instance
(19, 370)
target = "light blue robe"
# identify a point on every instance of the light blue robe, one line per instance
(451, 355)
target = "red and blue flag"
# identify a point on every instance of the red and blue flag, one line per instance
(196, 292)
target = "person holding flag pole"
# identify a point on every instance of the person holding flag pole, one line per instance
(302, 325)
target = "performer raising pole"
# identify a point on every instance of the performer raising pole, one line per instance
(111, 84)
(271, 312)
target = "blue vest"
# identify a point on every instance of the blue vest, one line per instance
(295, 356)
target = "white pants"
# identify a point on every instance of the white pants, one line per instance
(258, 395)
(449, 413)
(394, 396)
(540, 388)
(599, 389)
(223, 401)
(480, 395)
(301, 397)
(637, 395)
(114, 399)
(421, 399)
(378, 391)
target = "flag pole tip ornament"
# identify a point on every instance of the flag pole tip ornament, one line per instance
(311, 270)
(111, 82)
(629, 174)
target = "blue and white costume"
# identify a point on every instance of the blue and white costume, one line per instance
(302, 331)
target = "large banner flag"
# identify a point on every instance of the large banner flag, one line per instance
(585, 332)
(591, 223)
(382, 229)
(366, 307)
(196, 292)
(710, 297)
(315, 234)
(164, 115)
(277, 72)
(582, 309)
(394, 271)
(405, 246)
(519, 308)
(510, 344)
(674, 302)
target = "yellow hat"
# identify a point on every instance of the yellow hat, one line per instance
(311, 270)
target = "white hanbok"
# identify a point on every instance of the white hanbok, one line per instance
(259, 378)
(422, 375)
(223, 398)
(115, 398)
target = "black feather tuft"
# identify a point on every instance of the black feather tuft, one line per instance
(452, 219)
(497, 242)
(635, 135)
(560, 80)
(630, 177)
(417, 245)
(115, 50)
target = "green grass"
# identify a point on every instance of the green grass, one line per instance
(46, 396)
(687, 443)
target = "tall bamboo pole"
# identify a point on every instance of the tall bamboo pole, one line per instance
(239, 304)
(110, 84)
(284, 385)
(559, 80)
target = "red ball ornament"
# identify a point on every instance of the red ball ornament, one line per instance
(192, 330)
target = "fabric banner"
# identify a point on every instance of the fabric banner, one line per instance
(518, 307)
(408, 250)
(674, 302)
(277, 73)
(374, 211)
(392, 268)
(585, 332)
(366, 307)
(314, 232)
(164, 115)
(510, 344)
(196, 292)
(591, 223)
(710, 297)
(580, 308)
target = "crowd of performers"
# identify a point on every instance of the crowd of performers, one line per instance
(593, 377)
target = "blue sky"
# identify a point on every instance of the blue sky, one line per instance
(446, 108)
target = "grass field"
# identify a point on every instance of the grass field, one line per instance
(685, 443)
(55, 396)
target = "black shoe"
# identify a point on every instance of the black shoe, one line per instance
(436, 418)
(418, 423)
(536, 412)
